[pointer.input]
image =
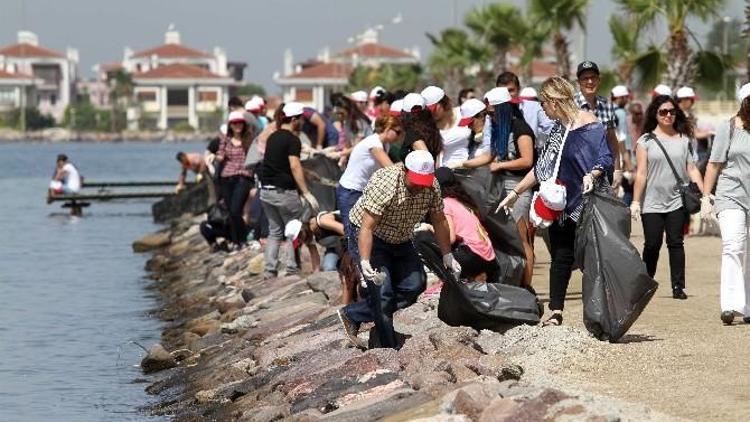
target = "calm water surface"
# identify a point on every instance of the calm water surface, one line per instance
(73, 297)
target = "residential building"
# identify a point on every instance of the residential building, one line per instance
(312, 83)
(174, 84)
(15, 90)
(54, 75)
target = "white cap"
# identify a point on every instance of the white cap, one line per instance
(744, 92)
(686, 92)
(292, 109)
(397, 107)
(620, 91)
(375, 91)
(528, 93)
(420, 167)
(292, 230)
(432, 95)
(412, 100)
(254, 104)
(259, 99)
(497, 96)
(661, 89)
(236, 116)
(223, 129)
(359, 96)
(469, 109)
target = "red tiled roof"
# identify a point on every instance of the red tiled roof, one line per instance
(177, 71)
(171, 50)
(374, 50)
(110, 67)
(6, 75)
(323, 70)
(28, 50)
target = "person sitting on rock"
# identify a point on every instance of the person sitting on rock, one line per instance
(66, 179)
(190, 161)
(383, 219)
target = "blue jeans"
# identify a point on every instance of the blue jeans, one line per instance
(404, 282)
(330, 260)
(345, 199)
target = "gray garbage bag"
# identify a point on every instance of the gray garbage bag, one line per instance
(491, 306)
(616, 286)
(321, 175)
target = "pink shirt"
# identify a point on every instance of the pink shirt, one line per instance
(468, 229)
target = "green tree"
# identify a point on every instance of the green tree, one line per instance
(248, 90)
(499, 26)
(120, 95)
(560, 16)
(532, 38)
(391, 76)
(684, 65)
(456, 59)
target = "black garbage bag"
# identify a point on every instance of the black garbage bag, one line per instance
(616, 286)
(501, 227)
(322, 174)
(491, 306)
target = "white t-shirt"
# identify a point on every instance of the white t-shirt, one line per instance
(362, 164)
(455, 145)
(72, 180)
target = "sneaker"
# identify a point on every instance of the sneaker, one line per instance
(350, 329)
(679, 294)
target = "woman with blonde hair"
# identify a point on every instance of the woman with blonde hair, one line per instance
(578, 140)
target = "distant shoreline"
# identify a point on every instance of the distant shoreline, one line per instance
(63, 135)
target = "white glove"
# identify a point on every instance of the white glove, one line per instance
(588, 183)
(635, 211)
(616, 179)
(707, 207)
(312, 201)
(451, 264)
(367, 271)
(507, 203)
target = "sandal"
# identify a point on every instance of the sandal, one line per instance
(554, 320)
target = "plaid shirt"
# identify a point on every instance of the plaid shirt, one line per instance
(604, 111)
(386, 195)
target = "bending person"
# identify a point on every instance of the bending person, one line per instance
(383, 220)
(583, 160)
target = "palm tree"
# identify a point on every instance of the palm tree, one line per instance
(498, 26)
(560, 15)
(455, 58)
(121, 92)
(532, 40)
(683, 65)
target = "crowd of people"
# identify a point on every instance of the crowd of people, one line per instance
(545, 150)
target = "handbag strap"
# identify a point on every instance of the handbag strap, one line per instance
(669, 160)
(559, 155)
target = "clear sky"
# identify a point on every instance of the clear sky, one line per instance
(258, 31)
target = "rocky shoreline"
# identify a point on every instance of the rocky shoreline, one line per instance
(237, 347)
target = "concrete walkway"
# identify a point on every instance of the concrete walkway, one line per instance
(678, 358)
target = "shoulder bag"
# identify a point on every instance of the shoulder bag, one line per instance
(691, 195)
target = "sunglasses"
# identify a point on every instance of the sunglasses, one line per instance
(665, 112)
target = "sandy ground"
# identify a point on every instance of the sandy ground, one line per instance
(677, 359)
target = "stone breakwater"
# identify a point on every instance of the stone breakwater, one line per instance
(237, 347)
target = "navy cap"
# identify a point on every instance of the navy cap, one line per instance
(587, 65)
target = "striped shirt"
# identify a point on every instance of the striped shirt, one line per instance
(234, 160)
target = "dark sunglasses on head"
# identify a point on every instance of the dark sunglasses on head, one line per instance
(665, 112)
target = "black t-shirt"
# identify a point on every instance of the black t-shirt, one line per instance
(407, 146)
(519, 127)
(276, 171)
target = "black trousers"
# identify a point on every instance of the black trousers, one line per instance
(655, 225)
(562, 239)
(211, 231)
(234, 191)
(472, 264)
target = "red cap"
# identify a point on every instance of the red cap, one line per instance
(420, 179)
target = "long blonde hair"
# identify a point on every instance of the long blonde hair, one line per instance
(560, 93)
